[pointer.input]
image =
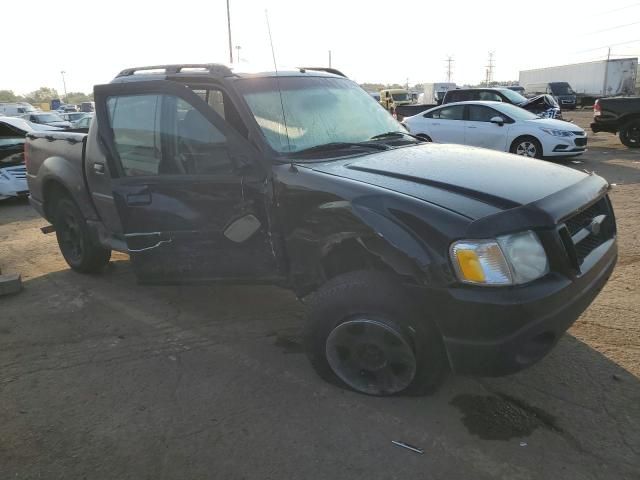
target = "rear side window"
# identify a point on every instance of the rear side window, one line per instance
(455, 112)
(165, 135)
(479, 113)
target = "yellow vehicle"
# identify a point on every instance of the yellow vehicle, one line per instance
(393, 97)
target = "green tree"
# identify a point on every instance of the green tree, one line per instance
(42, 95)
(78, 97)
(9, 96)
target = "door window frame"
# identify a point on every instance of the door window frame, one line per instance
(237, 143)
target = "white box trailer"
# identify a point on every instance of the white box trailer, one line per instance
(434, 92)
(600, 78)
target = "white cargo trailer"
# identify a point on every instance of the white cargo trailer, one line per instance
(434, 92)
(601, 78)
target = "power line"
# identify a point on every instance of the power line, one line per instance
(617, 9)
(607, 46)
(613, 28)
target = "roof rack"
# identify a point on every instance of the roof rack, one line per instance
(324, 69)
(215, 69)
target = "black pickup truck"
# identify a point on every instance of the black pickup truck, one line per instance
(619, 115)
(413, 258)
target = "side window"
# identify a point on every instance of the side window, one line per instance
(455, 112)
(165, 135)
(135, 121)
(490, 96)
(478, 113)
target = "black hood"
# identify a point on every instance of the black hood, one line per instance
(473, 182)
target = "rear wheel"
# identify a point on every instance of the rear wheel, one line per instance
(78, 248)
(527, 147)
(630, 134)
(365, 333)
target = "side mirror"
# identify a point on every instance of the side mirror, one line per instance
(498, 120)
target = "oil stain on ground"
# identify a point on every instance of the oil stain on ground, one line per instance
(501, 417)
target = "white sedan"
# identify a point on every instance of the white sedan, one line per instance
(498, 126)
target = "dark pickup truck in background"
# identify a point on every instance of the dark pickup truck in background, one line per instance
(412, 258)
(619, 115)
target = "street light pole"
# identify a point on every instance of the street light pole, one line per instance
(229, 30)
(64, 85)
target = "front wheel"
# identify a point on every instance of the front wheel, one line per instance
(630, 134)
(78, 248)
(527, 147)
(365, 333)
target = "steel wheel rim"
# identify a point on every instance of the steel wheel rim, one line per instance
(526, 149)
(371, 357)
(633, 134)
(71, 237)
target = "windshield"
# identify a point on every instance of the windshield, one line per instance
(516, 112)
(514, 97)
(318, 111)
(400, 97)
(49, 117)
(561, 89)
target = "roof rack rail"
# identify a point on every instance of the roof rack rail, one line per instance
(216, 69)
(324, 69)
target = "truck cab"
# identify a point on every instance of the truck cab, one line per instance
(394, 97)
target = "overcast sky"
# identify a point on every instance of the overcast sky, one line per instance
(374, 41)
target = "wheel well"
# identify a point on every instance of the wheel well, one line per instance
(53, 191)
(522, 137)
(350, 256)
(425, 136)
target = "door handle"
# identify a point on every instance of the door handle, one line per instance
(472, 127)
(138, 199)
(98, 168)
(434, 123)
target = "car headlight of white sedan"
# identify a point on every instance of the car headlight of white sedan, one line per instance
(506, 260)
(557, 133)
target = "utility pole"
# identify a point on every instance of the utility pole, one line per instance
(490, 68)
(229, 30)
(64, 85)
(606, 73)
(449, 61)
(238, 47)
(329, 58)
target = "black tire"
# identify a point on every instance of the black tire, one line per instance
(630, 134)
(424, 137)
(527, 146)
(351, 298)
(78, 248)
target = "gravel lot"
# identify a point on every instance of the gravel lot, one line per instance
(104, 379)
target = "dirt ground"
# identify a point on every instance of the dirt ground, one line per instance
(103, 379)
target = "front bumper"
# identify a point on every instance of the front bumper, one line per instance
(494, 331)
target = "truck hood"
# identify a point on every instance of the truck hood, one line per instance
(473, 182)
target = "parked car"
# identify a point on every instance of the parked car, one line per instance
(414, 258)
(517, 89)
(16, 109)
(87, 107)
(47, 118)
(560, 91)
(499, 126)
(619, 115)
(543, 105)
(13, 179)
(83, 122)
(70, 108)
(72, 116)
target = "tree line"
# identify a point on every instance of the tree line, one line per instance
(45, 95)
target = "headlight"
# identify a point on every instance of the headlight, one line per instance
(557, 133)
(507, 260)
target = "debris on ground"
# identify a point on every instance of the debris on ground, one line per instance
(407, 446)
(10, 283)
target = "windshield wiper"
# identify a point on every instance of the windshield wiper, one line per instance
(327, 147)
(396, 133)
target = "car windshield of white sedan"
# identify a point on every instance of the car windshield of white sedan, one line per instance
(517, 113)
(317, 111)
